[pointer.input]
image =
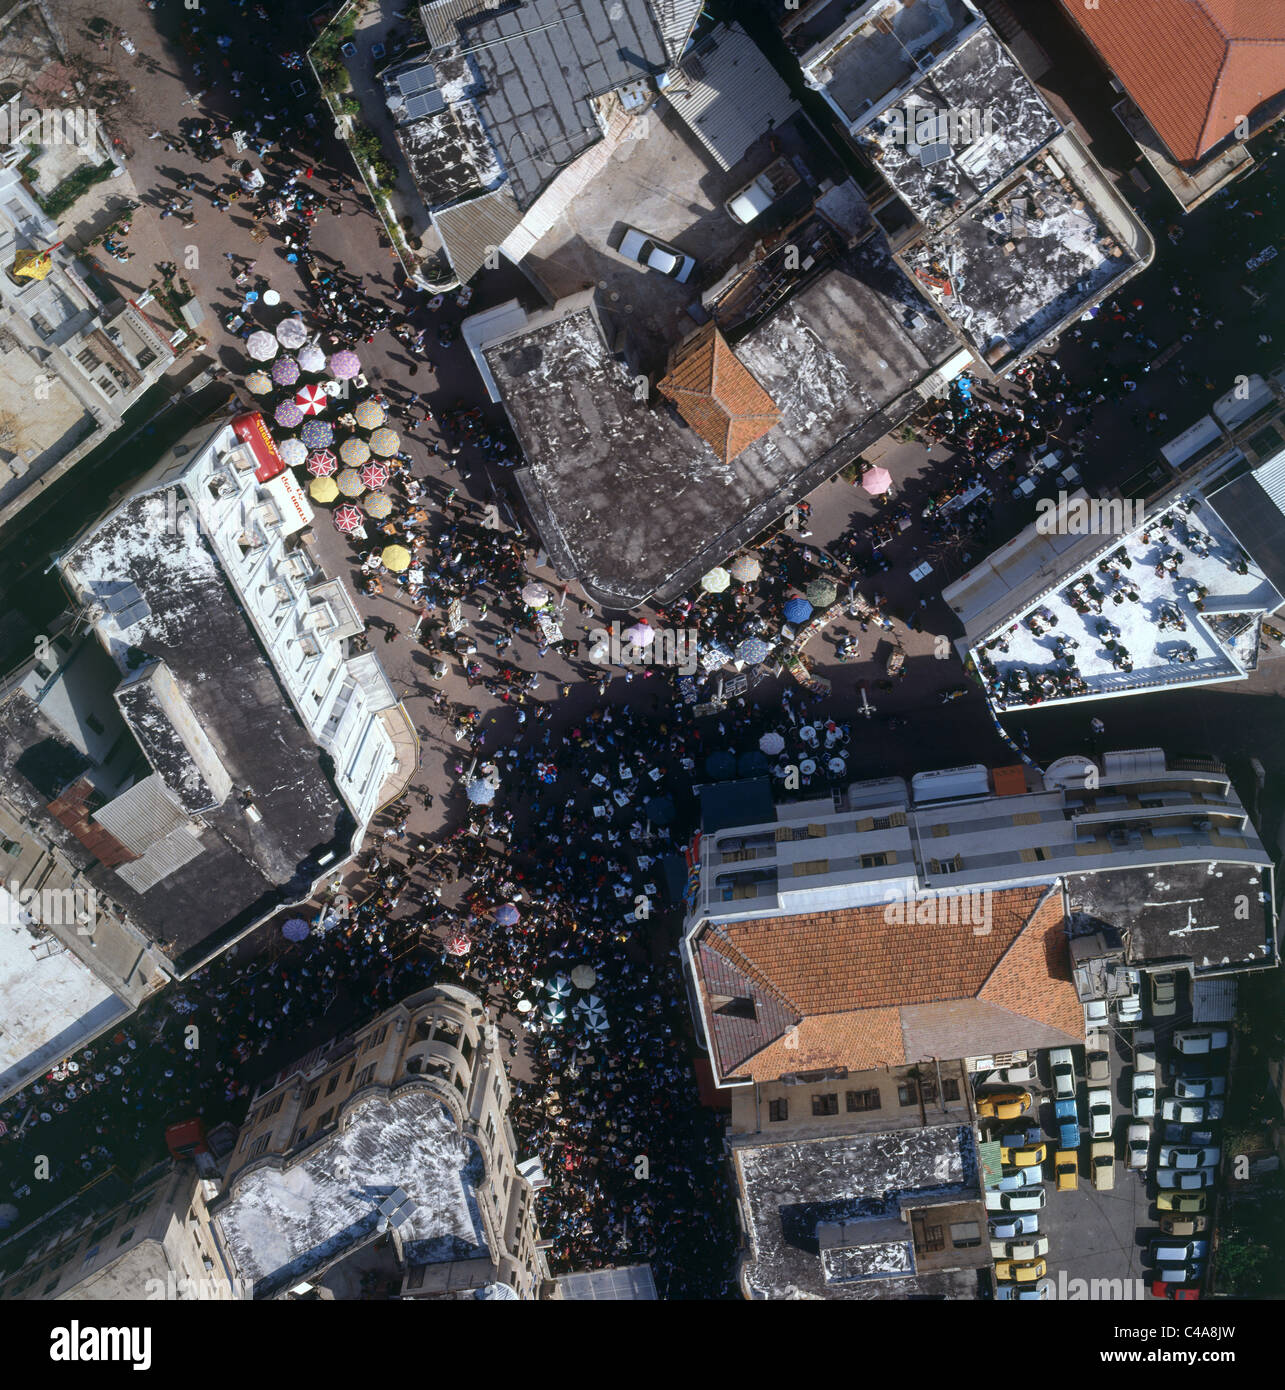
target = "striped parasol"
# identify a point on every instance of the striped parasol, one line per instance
(354, 451)
(350, 483)
(347, 519)
(287, 414)
(375, 475)
(323, 463)
(317, 434)
(377, 505)
(294, 452)
(323, 490)
(312, 400)
(385, 442)
(369, 414)
(285, 371)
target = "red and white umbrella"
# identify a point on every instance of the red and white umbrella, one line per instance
(375, 475)
(322, 463)
(347, 519)
(312, 400)
(458, 945)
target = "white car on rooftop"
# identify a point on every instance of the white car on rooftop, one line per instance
(656, 255)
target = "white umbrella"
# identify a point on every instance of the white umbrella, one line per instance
(598, 1022)
(291, 333)
(772, 743)
(535, 595)
(261, 346)
(642, 634)
(312, 359)
(584, 977)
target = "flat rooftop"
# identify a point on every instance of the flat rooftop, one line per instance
(1020, 667)
(630, 501)
(285, 1224)
(859, 67)
(792, 1188)
(967, 157)
(1216, 915)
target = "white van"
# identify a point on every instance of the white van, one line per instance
(760, 193)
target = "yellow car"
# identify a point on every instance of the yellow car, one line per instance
(1026, 1157)
(1020, 1271)
(1066, 1164)
(1181, 1201)
(1003, 1105)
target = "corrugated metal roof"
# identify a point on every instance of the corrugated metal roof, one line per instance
(728, 94)
(471, 231)
(179, 847)
(441, 19)
(676, 19)
(1271, 478)
(1213, 1001)
(142, 815)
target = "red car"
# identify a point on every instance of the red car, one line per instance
(1180, 1293)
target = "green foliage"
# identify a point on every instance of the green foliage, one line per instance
(75, 186)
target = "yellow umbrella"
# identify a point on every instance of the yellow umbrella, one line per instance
(354, 451)
(349, 482)
(396, 558)
(384, 443)
(323, 489)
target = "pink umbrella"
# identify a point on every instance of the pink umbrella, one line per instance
(375, 475)
(312, 400)
(876, 481)
(344, 365)
(322, 463)
(347, 519)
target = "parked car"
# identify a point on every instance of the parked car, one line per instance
(1164, 995)
(1062, 1070)
(1014, 1179)
(1144, 1095)
(1184, 1225)
(1193, 1042)
(760, 193)
(1003, 1105)
(1023, 1293)
(1175, 1156)
(1191, 1112)
(1030, 1248)
(1139, 1145)
(656, 255)
(1183, 1282)
(1066, 1167)
(1102, 1156)
(1144, 1050)
(1128, 1010)
(1028, 1156)
(1010, 1227)
(1017, 1076)
(1097, 1059)
(1031, 1199)
(1178, 1252)
(1019, 1138)
(1187, 1136)
(1187, 1202)
(1180, 1293)
(1198, 1087)
(1184, 1180)
(1100, 1114)
(1095, 1013)
(1020, 1271)
(1067, 1114)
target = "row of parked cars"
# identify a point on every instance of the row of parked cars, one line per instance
(1018, 1246)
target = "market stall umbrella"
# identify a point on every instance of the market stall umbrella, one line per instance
(377, 505)
(524, 1006)
(458, 945)
(554, 1012)
(347, 519)
(317, 434)
(720, 765)
(798, 610)
(312, 359)
(285, 371)
(584, 977)
(772, 743)
(745, 569)
(876, 481)
(261, 346)
(296, 929)
(396, 558)
(354, 451)
(369, 414)
(753, 651)
(294, 452)
(344, 365)
(559, 986)
(259, 383)
(312, 400)
(642, 634)
(323, 490)
(322, 463)
(479, 792)
(598, 1022)
(350, 484)
(535, 595)
(291, 333)
(821, 593)
(507, 915)
(375, 474)
(660, 810)
(716, 580)
(385, 442)
(288, 415)
(752, 764)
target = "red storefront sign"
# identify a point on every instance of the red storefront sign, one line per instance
(252, 430)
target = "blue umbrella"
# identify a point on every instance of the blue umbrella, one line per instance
(507, 915)
(752, 763)
(753, 651)
(720, 765)
(317, 434)
(296, 929)
(480, 793)
(798, 610)
(660, 810)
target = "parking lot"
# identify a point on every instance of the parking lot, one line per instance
(1099, 1239)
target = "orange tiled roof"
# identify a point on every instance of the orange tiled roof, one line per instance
(717, 395)
(1193, 67)
(846, 988)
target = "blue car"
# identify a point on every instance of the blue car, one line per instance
(1068, 1123)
